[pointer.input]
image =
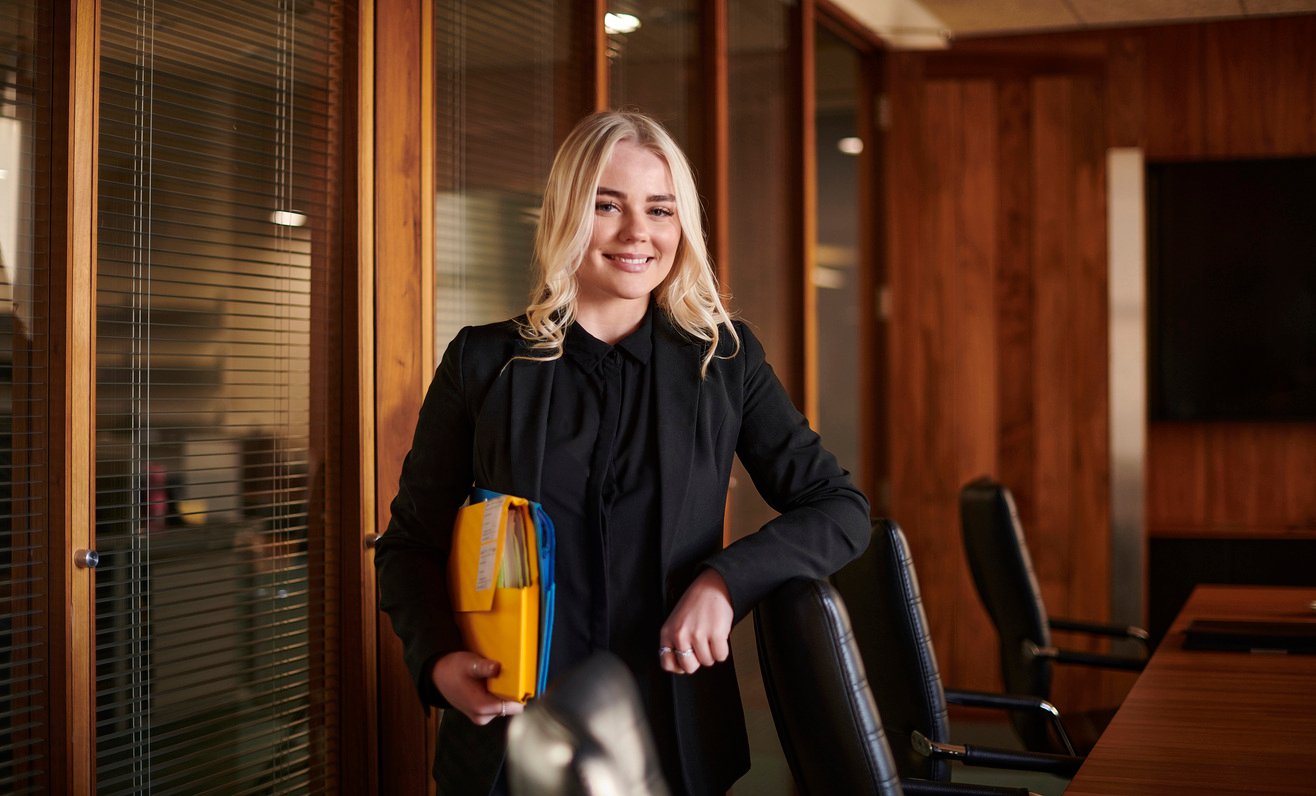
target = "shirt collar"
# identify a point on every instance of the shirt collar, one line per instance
(588, 351)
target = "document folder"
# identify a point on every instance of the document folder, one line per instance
(501, 574)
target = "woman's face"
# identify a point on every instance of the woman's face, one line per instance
(636, 232)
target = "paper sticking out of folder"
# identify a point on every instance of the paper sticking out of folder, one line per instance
(501, 575)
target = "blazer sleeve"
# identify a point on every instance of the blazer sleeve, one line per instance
(823, 520)
(411, 558)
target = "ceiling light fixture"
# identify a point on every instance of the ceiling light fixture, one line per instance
(620, 23)
(288, 218)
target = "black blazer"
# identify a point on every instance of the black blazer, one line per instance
(484, 422)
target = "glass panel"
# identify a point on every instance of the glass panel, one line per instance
(836, 271)
(504, 100)
(25, 73)
(216, 352)
(655, 67)
(761, 113)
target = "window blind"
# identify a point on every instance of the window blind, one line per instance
(505, 93)
(216, 354)
(655, 67)
(25, 75)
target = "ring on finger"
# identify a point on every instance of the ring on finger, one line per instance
(684, 653)
(502, 709)
(663, 651)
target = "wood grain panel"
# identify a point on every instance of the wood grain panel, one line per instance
(1231, 480)
(405, 738)
(998, 337)
(72, 236)
(1259, 85)
(1172, 89)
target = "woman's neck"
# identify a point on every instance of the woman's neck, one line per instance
(614, 321)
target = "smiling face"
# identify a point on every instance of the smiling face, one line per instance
(635, 237)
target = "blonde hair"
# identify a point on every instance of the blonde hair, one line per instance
(688, 295)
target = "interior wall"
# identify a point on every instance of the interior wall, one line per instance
(1230, 90)
(996, 244)
(997, 257)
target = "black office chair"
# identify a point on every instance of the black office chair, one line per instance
(823, 708)
(1002, 570)
(891, 631)
(814, 680)
(585, 736)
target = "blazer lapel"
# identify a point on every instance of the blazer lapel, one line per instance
(676, 365)
(514, 427)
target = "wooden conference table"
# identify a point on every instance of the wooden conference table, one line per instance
(1212, 722)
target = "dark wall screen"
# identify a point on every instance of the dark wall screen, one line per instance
(1232, 289)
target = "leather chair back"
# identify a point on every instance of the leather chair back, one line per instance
(1003, 575)
(891, 630)
(826, 718)
(585, 736)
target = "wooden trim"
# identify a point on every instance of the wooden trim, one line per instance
(72, 394)
(872, 276)
(847, 27)
(396, 317)
(359, 692)
(426, 110)
(716, 165)
(598, 50)
(804, 175)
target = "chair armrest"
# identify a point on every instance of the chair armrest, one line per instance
(1085, 658)
(1131, 632)
(982, 699)
(927, 787)
(992, 757)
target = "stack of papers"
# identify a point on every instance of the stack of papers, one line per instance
(501, 573)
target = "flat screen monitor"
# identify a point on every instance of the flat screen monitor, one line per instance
(1232, 290)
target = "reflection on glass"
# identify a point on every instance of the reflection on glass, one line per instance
(500, 103)
(762, 266)
(654, 68)
(836, 260)
(215, 598)
(24, 590)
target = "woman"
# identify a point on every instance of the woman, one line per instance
(618, 401)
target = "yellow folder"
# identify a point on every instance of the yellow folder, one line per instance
(494, 577)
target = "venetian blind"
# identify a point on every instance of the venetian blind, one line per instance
(505, 94)
(25, 74)
(216, 355)
(654, 68)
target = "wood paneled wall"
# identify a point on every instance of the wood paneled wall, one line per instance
(997, 262)
(1230, 90)
(996, 250)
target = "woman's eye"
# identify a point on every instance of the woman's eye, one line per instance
(604, 207)
(664, 212)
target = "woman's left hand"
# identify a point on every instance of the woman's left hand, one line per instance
(699, 630)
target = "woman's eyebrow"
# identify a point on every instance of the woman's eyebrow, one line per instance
(658, 197)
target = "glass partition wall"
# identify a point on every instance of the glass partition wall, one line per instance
(504, 92)
(216, 347)
(25, 74)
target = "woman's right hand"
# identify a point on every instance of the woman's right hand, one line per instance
(461, 678)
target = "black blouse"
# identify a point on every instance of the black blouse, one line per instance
(600, 486)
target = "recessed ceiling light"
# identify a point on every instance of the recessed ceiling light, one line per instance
(851, 145)
(288, 218)
(620, 23)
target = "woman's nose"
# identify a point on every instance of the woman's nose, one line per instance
(634, 227)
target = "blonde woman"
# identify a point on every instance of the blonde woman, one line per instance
(618, 401)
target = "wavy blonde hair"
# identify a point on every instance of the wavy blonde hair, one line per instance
(689, 295)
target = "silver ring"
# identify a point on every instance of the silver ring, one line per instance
(683, 653)
(663, 651)
(502, 709)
